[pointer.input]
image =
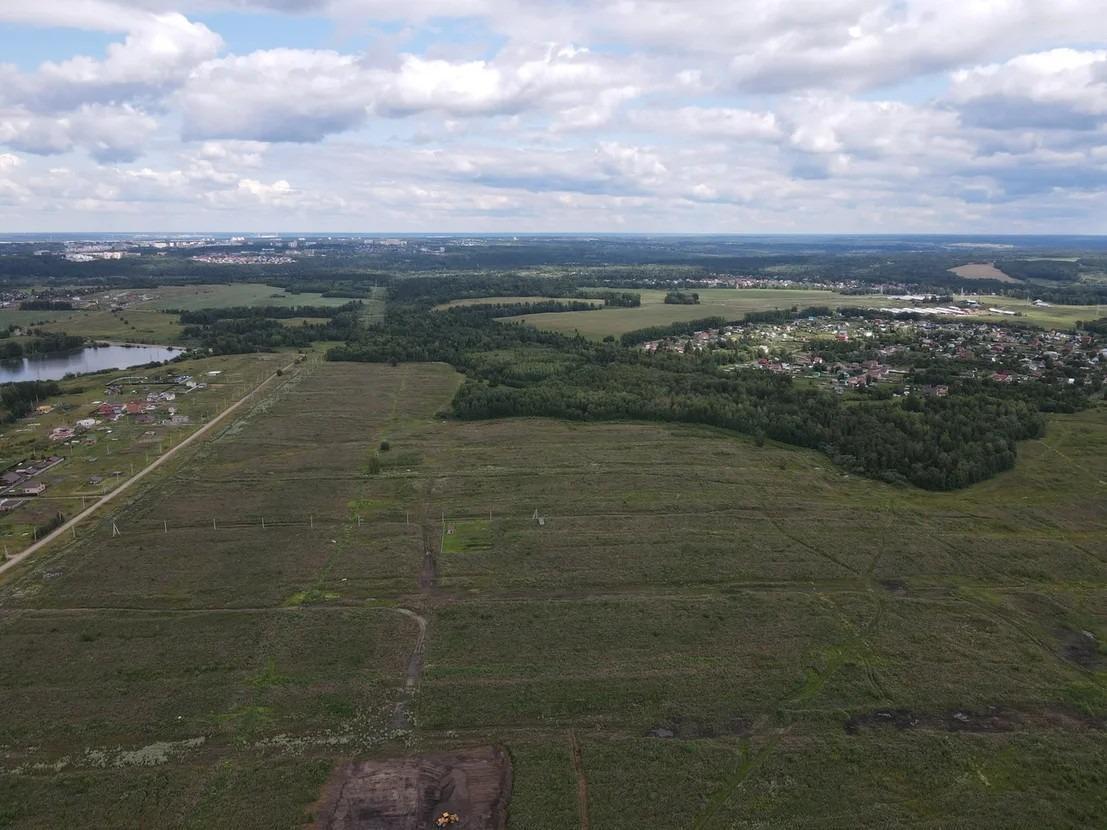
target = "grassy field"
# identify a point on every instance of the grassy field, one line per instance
(143, 319)
(733, 304)
(1054, 316)
(192, 297)
(513, 301)
(135, 325)
(711, 634)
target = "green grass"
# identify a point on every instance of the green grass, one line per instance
(144, 320)
(137, 325)
(192, 297)
(1055, 316)
(466, 535)
(734, 304)
(746, 601)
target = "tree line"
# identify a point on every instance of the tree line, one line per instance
(18, 399)
(516, 370)
(43, 343)
(207, 316)
(240, 335)
(682, 298)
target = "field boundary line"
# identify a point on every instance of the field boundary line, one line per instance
(126, 485)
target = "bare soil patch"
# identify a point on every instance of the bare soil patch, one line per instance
(989, 719)
(410, 793)
(897, 587)
(982, 271)
(1081, 648)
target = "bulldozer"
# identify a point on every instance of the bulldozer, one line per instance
(447, 819)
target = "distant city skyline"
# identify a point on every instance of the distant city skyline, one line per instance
(514, 116)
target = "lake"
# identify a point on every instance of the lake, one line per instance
(89, 359)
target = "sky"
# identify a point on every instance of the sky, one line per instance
(677, 116)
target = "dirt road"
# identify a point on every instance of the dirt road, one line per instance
(126, 485)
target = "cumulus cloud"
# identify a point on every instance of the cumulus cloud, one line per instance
(711, 122)
(157, 54)
(107, 133)
(657, 114)
(275, 95)
(96, 103)
(305, 95)
(1060, 88)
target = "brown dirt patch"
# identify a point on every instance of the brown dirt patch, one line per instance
(982, 271)
(409, 793)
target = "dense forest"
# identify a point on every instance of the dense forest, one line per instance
(682, 298)
(208, 316)
(18, 399)
(516, 370)
(222, 334)
(43, 342)
(1056, 269)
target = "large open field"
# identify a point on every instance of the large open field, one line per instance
(732, 304)
(700, 633)
(1052, 316)
(191, 297)
(143, 319)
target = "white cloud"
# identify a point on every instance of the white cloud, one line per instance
(662, 114)
(275, 95)
(107, 133)
(305, 95)
(157, 53)
(711, 122)
(1059, 88)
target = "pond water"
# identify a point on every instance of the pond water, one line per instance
(89, 359)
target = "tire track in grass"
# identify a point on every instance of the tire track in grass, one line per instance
(808, 546)
(582, 781)
(401, 715)
(750, 762)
